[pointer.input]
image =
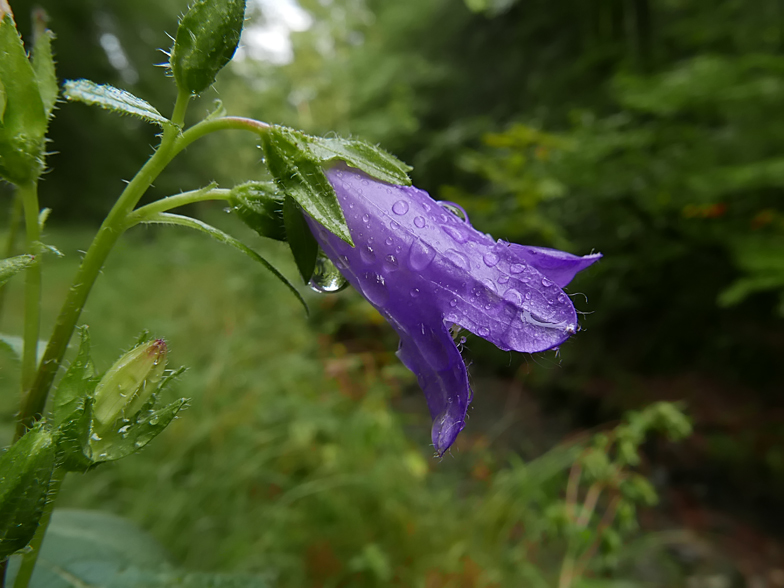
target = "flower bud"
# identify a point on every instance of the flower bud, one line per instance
(129, 384)
(206, 41)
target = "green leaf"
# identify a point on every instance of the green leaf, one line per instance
(43, 66)
(206, 41)
(113, 99)
(25, 473)
(372, 160)
(134, 436)
(11, 266)
(260, 206)
(300, 177)
(78, 382)
(91, 549)
(300, 239)
(192, 223)
(24, 119)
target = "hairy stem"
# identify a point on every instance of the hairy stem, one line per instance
(172, 202)
(10, 243)
(112, 227)
(32, 295)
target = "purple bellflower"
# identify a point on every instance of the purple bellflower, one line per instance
(426, 269)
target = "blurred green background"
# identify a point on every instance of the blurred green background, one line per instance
(649, 130)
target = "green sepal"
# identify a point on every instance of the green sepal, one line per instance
(24, 120)
(372, 160)
(78, 382)
(73, 437)
(25, 475)
(113, 99)
(43, 66)
(133, 436)
(206, 41)
(72, 408)
(300, 239)
(298, 174)
(260, 206)
(192, 223)
(11, 266)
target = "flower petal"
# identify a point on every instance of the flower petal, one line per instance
(432, 355)
(558, 266)
(425, 268)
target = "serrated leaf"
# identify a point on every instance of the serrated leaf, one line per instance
(90, 548)
(43, 66)
(24, 118)
(260, 206)
(300, 177)
(192, 223)
(114, 99)
(300, 239)
(25, 474)
(149, 424)
(206, 41)
(11, 266)
(372, 160)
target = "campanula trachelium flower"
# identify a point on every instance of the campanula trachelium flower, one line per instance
(426, 269)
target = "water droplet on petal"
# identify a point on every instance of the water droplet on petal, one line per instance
(456, 233)
(420, 222)
(513, 296)
(516, 268)
(453, 302)
(420, 255)
(528, 296)
(489, 284)
(414, 292)
(490, 259)
(400, 207)
(561, 298)
(326, 276)
(546, 282)
(503, 279)
(374, 288)
(389, 240)
(366, 218)
(390, 262)
(455, 209)
(484, 332)
(367, 254)
(459, 259)
(394, 225)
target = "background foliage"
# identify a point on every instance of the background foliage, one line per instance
(648, 130)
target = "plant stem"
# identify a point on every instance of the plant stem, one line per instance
(113, 226)
(172, 202)
(34, 400)
(32, 297)
(221, 124)
(31, 557)
(10, 244)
